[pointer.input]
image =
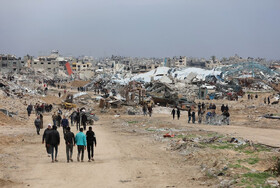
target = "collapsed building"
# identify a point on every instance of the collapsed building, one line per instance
(181, 86)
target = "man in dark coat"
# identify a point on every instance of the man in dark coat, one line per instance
(84, 121)
(64, 124)
(29, 109)
(58, 119)
(189, 115)
(91, 140)
(69, 138)
(54, 140)
(173, 113)
(37, 124)
(44, 139)
(222, 108)
(178, 113)
(78, 119)
(193, 117)
(226, 108)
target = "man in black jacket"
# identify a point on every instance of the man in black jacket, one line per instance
(78, 119)
(91, 139)
(29, 109)
(178, 113)
(84, 120)
(58, 119)
(44, 139)
(54, 140)
(189, 115)
(69, 138)
(37, 124)
(222, 108)
(173, 113)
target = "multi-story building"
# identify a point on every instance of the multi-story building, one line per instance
(52, 63)
(81, 66)
(10, 63)
(210, 64)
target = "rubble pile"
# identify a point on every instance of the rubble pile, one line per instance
(181, 86)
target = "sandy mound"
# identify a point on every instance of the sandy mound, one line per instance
(6, 120)
(51, 99)
(79, 83)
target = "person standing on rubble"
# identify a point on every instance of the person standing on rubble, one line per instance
(200, 114)
(199, 105)
(144, 109)
(178, 113)
(91, 140)
(173, 113)
(264, 100)
(59, 94)
(54, 140)
(81, 143)
(37, 124)
(268, 100)
(189, 115)
(44, 139)
(226, 117)
(150, 109)
(203, 106)
(29, 109)
(193, 117)
(69, 138)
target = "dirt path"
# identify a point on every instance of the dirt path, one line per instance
(264, 136)
(121, 160)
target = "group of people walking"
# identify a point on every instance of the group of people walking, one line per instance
(147, 109)
(77, 117)
(51, 138)
(201, 111)
(39, 108)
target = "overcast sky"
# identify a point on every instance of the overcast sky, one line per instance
(150, 28)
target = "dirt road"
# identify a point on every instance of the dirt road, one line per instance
(121, 160)
(269, 137)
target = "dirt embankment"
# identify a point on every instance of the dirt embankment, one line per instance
(51, 99)
(6, 120)
(79, 83)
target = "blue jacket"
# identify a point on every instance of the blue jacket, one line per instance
(65, 123)
(81, 139)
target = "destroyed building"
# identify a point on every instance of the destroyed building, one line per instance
(10, 63)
